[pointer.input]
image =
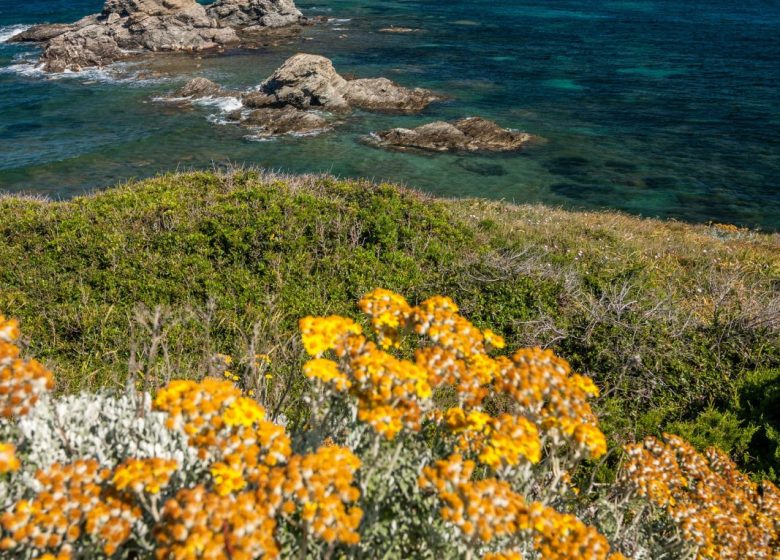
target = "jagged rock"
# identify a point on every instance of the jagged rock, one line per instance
(306, 80)
(273, 122)
(255, 13)
(201, 87)
(380, 94)
(303, 81)
(40, 33)
(472, 134)
(126, 27)
(93, 45)
(289, 100)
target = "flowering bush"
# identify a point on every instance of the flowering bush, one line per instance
(422, 440)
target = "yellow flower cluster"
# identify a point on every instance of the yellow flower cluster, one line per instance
(253, 470)
(391, 393)
(389, 313)
(22, 382)
(504, 441)
(198, 524)
(488, 509)
(503, 555)
(8, 460)
(545, 390)
(327, 371)
(320, 334)
(72, 501)
(485, 509)
(225, 427)
(144, 475)
(719, 510)
(319, 486)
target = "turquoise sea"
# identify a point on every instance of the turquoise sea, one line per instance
(655, 107)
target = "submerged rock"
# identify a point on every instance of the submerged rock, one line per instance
(393, 29)
(306, 80)
(473, 134)
(273, 122)
(127, 27)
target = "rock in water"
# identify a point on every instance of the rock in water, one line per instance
(273, 122)
(125, 27)
(92, 45)
(309, 81)
(40, 33)
(255, 13)
(201, 87)
(473, 134)
(303, 81)
(380, 94)
(132, 25)
(290, 100)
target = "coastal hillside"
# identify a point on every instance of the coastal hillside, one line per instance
(679, 325)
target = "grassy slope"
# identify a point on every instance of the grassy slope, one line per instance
(679, 324)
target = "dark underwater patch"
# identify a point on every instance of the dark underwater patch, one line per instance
(481, 168)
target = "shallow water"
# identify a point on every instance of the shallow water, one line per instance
(654, 107)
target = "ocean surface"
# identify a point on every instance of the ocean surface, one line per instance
(655, 107)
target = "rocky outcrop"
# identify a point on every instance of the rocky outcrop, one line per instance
(252, 14)
(127, 27)
(294, 97)
(41, 33)
(473, 134)
(198, 88)
(274, 122)
(307, 81)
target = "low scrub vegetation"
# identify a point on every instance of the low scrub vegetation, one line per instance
(679, 324)
(422, 438)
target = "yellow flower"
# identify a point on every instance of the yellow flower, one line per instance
(326, 371)
(226, 479)
(320, 334)
(8, 460)
(149, 475)
(243, 412)
(493, 339)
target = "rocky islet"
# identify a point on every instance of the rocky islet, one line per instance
(297, 97)
(126, 28)
(300, 97)
(472, 134)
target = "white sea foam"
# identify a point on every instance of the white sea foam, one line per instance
(224, 104)
(27, 65)
(8, 31)
(260, 138)
(341, 20)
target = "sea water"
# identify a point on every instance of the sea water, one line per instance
(654, 107)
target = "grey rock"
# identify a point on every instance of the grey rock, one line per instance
(255, 13)
(310, 81)
(40, 33)
(380, 94)
(473, 134)
(201, 87)
(127, 27)
(93, 45)
(273, 122)
(303, 81)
